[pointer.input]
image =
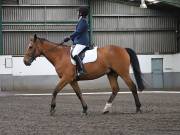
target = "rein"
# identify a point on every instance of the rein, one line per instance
(61, 44)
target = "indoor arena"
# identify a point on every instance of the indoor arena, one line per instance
(131, 80)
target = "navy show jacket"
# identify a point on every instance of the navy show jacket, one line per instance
(80, 35)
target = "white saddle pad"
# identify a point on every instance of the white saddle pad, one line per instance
(90, 56)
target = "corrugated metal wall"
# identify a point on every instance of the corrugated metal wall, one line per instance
(108, 7)
(178, 34)
(145, 30)
(15, 43)
(9, 2)
(115, 23)
(54, 22)
(53, 2)
(38, 13)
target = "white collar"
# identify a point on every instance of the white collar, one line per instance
(80, 18)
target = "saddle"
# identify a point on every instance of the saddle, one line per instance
(86, 56)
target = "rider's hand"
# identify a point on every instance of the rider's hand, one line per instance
(66, 39)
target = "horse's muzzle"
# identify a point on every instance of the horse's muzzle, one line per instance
(28, 62)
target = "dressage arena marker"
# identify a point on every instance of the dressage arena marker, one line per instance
(100, 93)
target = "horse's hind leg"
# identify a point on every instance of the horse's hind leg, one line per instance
(112, 76)
(133, 88)
(77, 90)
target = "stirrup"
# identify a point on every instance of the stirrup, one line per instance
(81, 73)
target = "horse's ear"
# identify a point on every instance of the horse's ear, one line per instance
(35, 37)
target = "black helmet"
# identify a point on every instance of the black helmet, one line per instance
(83, 11)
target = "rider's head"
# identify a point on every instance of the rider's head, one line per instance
(83, 11)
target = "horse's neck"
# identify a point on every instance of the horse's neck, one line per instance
(52, 52)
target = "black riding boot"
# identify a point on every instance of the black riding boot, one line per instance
(80, 66)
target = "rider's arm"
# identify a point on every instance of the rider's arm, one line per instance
(82, 26)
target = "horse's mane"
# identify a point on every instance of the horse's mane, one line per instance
(58, 44)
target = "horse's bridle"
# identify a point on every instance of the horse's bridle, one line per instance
(32, 58)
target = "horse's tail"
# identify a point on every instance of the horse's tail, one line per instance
(136, 68)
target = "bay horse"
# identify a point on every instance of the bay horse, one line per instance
(112, 61)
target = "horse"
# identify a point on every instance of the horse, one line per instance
(112, 61)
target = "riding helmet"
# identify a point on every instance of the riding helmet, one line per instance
(83, 11)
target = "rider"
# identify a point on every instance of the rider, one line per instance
(80, 38)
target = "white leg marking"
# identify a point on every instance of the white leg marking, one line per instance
(107, 107)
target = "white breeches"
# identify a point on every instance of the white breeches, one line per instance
(77, 49)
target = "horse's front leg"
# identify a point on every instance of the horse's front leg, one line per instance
(77, 90)
(58, 88)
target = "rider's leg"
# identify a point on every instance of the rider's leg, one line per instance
(76, 51)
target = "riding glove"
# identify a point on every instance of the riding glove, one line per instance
(66, 39)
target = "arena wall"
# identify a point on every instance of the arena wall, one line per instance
(14, 75)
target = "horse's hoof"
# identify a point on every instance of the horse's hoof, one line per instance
(52, 112)
(105, 112)
(138, 110)
(140, 90)
(107, 108)
(84, 114)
